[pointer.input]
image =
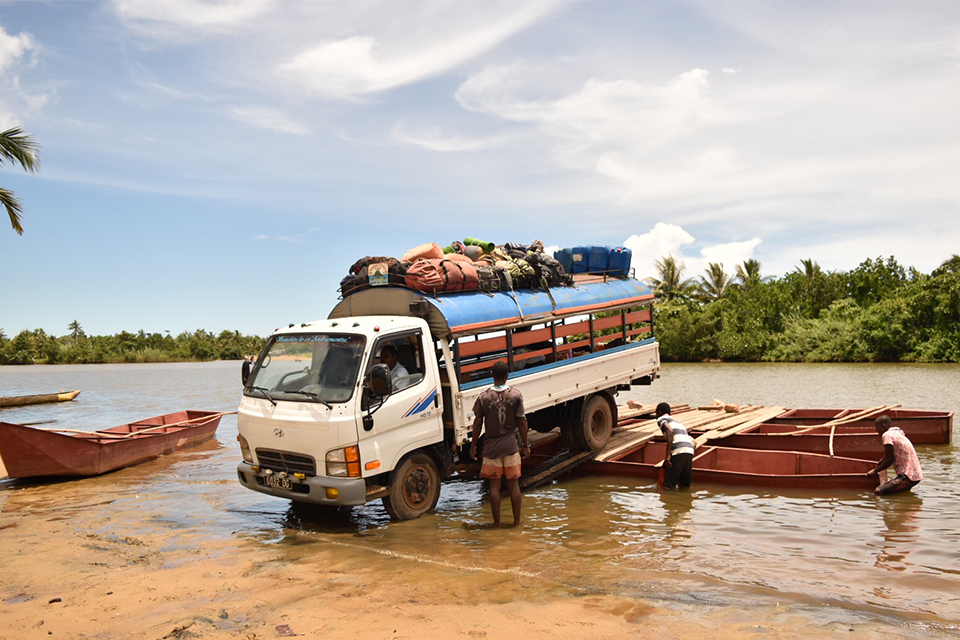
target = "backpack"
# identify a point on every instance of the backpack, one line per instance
(368, 260)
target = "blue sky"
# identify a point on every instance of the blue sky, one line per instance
(219, 165)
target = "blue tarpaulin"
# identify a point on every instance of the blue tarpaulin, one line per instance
(476, 312)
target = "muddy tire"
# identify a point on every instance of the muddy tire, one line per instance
(596, 426)
(415, 488)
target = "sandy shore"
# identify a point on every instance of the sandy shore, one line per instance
(59, 579)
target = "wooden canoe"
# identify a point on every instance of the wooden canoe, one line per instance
(922, 427)
(20, 401)
(30, 452)
(747, 467)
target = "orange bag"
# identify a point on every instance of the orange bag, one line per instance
(429, 251)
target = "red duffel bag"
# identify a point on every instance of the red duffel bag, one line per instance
(442, 276)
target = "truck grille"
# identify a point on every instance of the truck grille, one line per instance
(286, 461)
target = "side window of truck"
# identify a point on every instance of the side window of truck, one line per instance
(404, 354)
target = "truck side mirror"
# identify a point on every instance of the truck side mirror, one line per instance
(380, 380)
(245, 371)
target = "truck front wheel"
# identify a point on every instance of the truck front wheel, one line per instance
(415, 488)
(596, 426)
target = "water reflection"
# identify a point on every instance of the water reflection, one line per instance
(676, 509)
(900, 535)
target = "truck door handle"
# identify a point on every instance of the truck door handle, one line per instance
(436, 400)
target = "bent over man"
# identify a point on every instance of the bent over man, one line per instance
(501, 410)
(677, 468)
(898, 451)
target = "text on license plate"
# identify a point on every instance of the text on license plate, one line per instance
(278, 482)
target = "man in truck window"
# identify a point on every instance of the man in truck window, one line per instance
(388, 356)
(500, 409)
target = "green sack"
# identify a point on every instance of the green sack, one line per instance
(486, 246)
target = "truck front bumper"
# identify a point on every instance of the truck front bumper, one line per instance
(317, 490)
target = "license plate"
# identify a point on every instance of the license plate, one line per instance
(278, 482)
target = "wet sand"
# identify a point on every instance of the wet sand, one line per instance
(81, 570)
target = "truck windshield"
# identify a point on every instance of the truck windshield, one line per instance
(308, 367)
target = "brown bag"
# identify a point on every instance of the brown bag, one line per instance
(442, 276)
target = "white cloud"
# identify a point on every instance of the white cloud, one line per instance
(664, 239)
(601, 112)
(433, 139)
(296, 239)
(13, 48)
(730, 70)
(667, 239)
(177, 19)
(16, 102)
(351, 67)
(268, 118)
(729, 255)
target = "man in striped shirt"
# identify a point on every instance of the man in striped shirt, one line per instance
(678, 464)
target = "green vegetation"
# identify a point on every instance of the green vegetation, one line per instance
(18, 148)
(878, 312)
(37, 347)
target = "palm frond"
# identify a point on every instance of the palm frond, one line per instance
(18, 147)
(12, 204)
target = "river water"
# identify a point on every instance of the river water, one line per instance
(841, 559)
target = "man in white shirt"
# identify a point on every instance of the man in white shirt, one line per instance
(388, 356)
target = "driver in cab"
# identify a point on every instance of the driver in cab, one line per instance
(388, 356)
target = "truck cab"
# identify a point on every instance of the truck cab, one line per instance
(311, 391)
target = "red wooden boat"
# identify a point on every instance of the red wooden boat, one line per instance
(922, 427)
(864, 446)
(29, 452)
(747, 467)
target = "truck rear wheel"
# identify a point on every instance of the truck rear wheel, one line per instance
(596, 426)
(415, 488)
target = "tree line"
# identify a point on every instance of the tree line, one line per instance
(75, 347)
(880, 311)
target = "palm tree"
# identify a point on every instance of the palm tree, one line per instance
(19, 148)
(76, 330)
(715, 282)
(950, 265)
(749, 272)
(810, 269)
(671, 283)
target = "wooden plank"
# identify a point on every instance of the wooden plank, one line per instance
(549, 470)
(758, 417)
(632, 436)
(852, 417)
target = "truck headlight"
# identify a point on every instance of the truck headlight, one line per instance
(344, 463)
(245, 449)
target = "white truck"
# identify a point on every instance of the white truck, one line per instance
(323, 420)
